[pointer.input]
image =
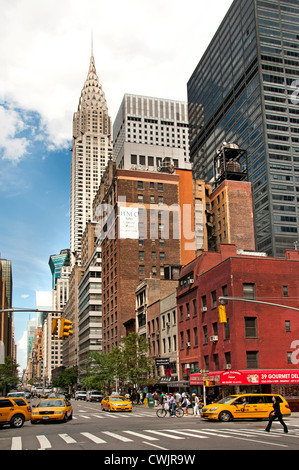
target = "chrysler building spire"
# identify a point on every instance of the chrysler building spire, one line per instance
(90, 153)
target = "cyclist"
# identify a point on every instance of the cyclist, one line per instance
(171, 403)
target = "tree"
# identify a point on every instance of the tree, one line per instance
(67, 378)
(137, 364)
(8, 375)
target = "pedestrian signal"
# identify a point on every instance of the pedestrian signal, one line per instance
(222, 314)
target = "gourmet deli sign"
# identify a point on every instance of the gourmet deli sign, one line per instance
(249, 377)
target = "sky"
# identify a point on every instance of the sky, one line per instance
(146, 47)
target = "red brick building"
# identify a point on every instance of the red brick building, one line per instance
(255, 336)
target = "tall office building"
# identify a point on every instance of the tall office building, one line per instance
(90, 153)
(149, 133)
(243, 90)
(6, 318)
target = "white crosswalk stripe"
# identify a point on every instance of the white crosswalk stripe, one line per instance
(16, 443)
(44, 442)
(93, 438)
(68, 439)
(163, 434)
(117, 436)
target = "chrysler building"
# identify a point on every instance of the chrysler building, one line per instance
(91, 150)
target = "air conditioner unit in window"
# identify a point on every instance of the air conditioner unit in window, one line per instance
(188, 345)
(228, 366)
(204, 309)
(191, 281)
(213, 338)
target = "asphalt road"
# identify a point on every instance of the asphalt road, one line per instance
(124, 434)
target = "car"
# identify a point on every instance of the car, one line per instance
(52, 409)
(80, 395)
(16, 394)
(242, 406)
(14, 411)
(116, 403)
(93, 395)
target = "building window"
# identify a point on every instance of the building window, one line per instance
(252, 359)
(141, 270)
(140, 184)
(285, 290)
(226, 329)
(141, 255)
(214, 299)
(194, 307)
(287, 326)
(182, 339)
(205, 334)
(249, 291)
(195, 336)
(250, 327)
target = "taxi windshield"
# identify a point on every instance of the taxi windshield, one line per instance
(50, 403)
(227, 399)
(118, 399)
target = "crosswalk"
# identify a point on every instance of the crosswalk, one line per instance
(276, 439)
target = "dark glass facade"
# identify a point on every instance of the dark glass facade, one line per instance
(244, 90)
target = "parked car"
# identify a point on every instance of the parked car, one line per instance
(14, 411)
(93, 395)
(52, 409)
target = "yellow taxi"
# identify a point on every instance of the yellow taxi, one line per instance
(52, 409)
(14, 411)
(248, 405)
(116, 403)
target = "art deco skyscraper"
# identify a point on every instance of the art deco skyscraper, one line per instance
(90, 153)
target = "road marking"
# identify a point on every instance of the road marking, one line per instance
(98, 416)
(163, 434)
(16, 443)
(68, 439)
(143, 436)
(117, 436)
(187, 433)
(209, 432)
(83, 416)
(93, 438)
(44, 443)
(154, 445)
(251, 440)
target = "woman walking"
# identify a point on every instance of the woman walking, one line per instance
(276, 413)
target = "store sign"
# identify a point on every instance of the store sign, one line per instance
(249, 377)
(162, 361)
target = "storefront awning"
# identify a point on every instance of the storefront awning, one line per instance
(248, 377)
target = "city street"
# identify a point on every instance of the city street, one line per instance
(93, 429)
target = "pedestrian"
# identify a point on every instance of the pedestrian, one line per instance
(185, 405)
(276, 413)
(196, 405)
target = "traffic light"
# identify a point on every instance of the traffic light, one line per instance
(65, 328)
(54, 326)
(222, 314)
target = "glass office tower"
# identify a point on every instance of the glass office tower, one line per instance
(245, 90)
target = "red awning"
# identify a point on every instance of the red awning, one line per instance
(249, 377)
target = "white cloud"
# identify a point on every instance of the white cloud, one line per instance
(143, 47)
(13, 147)
(25, 296)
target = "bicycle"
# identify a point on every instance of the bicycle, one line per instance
(162, 412)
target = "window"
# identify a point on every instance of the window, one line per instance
(252, 359)
(195, 334)
(140, 184)
(214, 299)
(250, 327)
(188, 310)
(141, 255)
(182, 339)
(194, 307)
(181, 313)
(141, 269)
(226, 329)
(249, 291)
(205, 334)
(287, 326)
(285, 290)
(160, 186)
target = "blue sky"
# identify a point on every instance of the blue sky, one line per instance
(148, 48)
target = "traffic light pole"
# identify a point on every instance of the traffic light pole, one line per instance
(223, 300)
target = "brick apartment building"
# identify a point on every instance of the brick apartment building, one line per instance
(255, 336)
(140, 238)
